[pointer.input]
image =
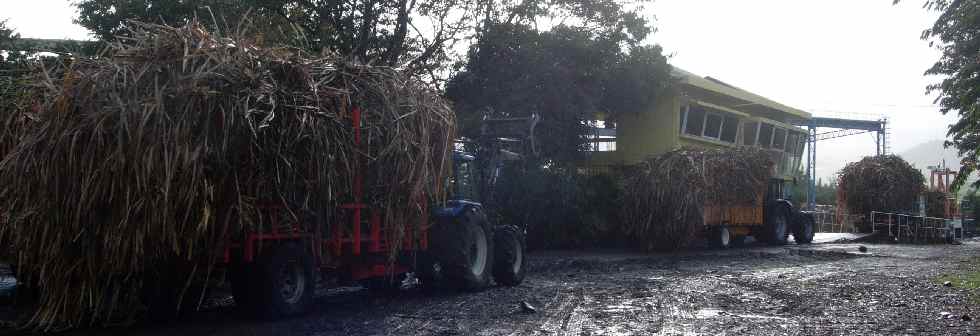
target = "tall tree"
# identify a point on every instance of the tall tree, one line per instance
(957, 34)
(567, 75)
(415, 34)
(9, 41)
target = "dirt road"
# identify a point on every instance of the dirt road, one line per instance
(824, 289)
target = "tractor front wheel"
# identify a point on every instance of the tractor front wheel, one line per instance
(776, 225)
(463, 247)
(803, 228)
(509, 255)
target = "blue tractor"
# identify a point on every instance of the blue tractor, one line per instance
(467, 250)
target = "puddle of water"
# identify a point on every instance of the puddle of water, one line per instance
(708, 313)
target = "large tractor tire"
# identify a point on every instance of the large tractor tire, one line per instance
(463, 248)
(720, 237)
(510, 257)
(803, 228)
(777, 225)
(280, 283)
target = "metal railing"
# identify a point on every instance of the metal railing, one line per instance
(913, 229)
(829, 221)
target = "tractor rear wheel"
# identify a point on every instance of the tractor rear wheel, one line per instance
(776, 225)
(463, 247)
(279, 284)
(803, 228)
(509, 255)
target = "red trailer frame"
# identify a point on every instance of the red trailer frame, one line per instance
(345, 248)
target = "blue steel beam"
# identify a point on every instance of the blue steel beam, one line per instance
(841, 124)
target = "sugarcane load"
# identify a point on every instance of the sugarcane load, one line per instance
(181, 157)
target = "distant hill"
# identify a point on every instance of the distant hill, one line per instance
(931, 153)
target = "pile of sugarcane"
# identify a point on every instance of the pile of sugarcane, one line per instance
(167, 145)
(884, 183)
(665, 196)
(935, 202)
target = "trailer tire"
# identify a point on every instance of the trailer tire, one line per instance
(720, 237)
(282, 283)
(803, 228)
(510, 255)
(463, 246)
(776, 225)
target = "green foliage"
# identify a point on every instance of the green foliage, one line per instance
(957, 34)
(9, 41)
(826, 193)
(566, 75)
(965, 277)
(971, 202)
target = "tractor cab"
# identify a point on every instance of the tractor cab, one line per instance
(463, 183)
(462, 186)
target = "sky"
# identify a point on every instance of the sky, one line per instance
(841, 58)
(836, 58)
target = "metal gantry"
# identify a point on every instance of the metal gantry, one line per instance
(842, 128)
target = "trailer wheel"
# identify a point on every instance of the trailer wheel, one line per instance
(720, 237)
(464, 248)
(283, 282)
(509, 255)
(803, 228)
(776, 225)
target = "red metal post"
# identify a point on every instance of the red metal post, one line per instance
(375, 232)
(357, 183)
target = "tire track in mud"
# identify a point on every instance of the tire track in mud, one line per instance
(630, 309)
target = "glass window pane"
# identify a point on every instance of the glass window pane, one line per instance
(730, 129)
(695, 120)
(779, 140)
(712, 128)
(749, 130)
(765, 135)
(683, 115)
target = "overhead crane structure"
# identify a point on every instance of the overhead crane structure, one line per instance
(840, 128)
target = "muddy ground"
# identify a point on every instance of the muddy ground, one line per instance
(822, 289)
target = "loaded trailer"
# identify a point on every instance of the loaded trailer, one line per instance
(771, 219)
(274, 273)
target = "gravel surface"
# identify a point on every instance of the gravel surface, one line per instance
(823, 289)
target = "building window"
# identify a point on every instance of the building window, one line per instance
(694, 124)
(712, 126)
(749, 132)
(601, 136)
(765, 135)
(729, 130)
(779, 140)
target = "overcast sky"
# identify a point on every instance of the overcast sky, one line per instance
(844, 58)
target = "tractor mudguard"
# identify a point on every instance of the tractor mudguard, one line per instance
(455, 208)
